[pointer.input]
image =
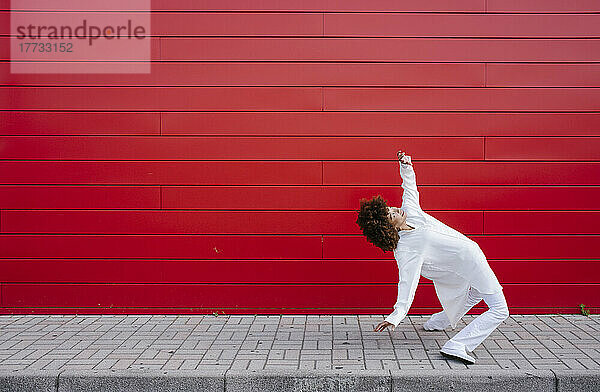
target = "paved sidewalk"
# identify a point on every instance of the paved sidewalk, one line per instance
(262, 342)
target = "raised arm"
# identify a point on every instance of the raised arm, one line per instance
(410, 194)
(409, 272)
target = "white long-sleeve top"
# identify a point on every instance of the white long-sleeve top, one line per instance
(451, 260)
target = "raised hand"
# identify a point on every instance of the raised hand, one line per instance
(402, 157)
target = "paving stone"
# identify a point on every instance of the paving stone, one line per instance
(169, 342)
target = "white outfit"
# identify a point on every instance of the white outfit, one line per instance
(455, 263)
(477, 330)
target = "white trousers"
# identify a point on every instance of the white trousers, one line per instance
(481, 327)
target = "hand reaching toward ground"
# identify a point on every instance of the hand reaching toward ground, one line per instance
(383, 325)
(402, 157)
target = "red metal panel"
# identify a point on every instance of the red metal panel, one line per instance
(530, 222)
(293, 222)
(297, 98)
(233, 148)
(432, 198)
(540, 148)
(305, 5)
(209, 24)
(509, 247)
(540, 246)
(361, 24)
(78, 123)
(296, 173)
(279, 247)
(161, 173)
(163, 246)
(478, 6)
(237, 24)
(460, 25)
(543, 75)
(269, 271)
(210, 222)
(382, 123)
(268, 74)
(165, 98)
(465, 173)
(514, 99)
(291, 296)
(70, 197)
(511, 198)
(245, 220)
(542, 6)
(380, 49)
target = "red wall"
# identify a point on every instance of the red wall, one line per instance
(226, 180)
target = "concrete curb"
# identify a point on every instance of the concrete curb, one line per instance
(308, 380)
(471, 380)
(577, 380)
(31, 380)
(141, 380)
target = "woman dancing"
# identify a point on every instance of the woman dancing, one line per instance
(423, 245)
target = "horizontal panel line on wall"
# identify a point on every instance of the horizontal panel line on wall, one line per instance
(118, 310)
(570, 8)
(367, 160)
(14, 294)
(276, 310)
(265, 260)
(290, 197)
(319, 11)
(380, 49)
(290, 148)
(78, 184)
(493, 246)
(284, 137)
(284, 235)
(349, 86)
(458, 6)
(169, 222)
(365, 49)
(286, 210)
(270, 136)
(158, 62)
(315, 247)
(57, 9)
(303, 111)
(300, 112)
(228, 148)
(582, 36)
(262, 284)
(367, 174)
(271, 271)
(475, 36)
(299, 123)
(104, 87)
(315, 186)
(281, 10)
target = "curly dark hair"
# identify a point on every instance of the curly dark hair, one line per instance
(375, 224)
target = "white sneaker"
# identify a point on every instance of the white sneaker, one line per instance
(437, 322)
(431, 326)
(457, 353)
